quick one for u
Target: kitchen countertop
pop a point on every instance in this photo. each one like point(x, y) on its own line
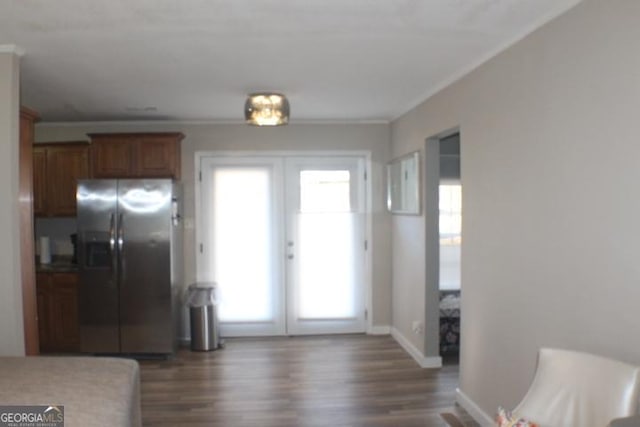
point(61, 265)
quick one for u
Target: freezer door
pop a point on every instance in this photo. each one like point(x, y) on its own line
point(98, 269)
point(144, 218)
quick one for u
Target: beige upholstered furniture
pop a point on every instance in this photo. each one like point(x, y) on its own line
point(95, 391)
point(633, 421)
point(572, 389)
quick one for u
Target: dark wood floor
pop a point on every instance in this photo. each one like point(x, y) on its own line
point(345, 380)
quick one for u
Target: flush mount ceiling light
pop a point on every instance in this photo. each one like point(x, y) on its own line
point(266, 109)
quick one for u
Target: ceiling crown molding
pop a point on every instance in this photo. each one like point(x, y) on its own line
point(554, 13)
point(212, 122)
point(12, 48)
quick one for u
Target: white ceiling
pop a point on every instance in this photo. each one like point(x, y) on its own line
point(190, 60)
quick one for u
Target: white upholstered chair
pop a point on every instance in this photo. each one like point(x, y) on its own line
point(573, 389)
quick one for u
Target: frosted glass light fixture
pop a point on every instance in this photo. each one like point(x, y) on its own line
point(266, 109)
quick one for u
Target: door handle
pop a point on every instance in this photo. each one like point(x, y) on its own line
point(290, 245)
point(112, 241)
point(112, 236)
point(120, 233)
point(120, 246)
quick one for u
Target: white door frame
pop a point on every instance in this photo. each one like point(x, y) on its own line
point(368, 267)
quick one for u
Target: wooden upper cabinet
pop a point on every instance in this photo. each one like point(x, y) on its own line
point(136, 155)
point(65, 166)
point(110, 156)
point(158, 156)
point(39, 181)
point(57, 167)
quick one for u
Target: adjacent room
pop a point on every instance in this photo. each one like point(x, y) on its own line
point(359, 213)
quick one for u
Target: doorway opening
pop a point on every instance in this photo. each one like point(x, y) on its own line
point(450, 240)
point(283, 236)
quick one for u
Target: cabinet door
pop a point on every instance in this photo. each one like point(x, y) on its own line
point(43, 296)
point(111, 157)
point(57, 295)
point(65, 166)
point(157, 156)
point(64, 289)
point(39, 180)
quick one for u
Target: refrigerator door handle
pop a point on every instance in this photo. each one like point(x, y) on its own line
point(120, 235)
point(112, 240)
point(120, 242)
point(112, 235)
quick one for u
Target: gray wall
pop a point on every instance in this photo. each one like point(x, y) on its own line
point(202, 137)
point(11, 327)
point(550, 166)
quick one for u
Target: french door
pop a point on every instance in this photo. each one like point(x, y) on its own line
point(283, 238)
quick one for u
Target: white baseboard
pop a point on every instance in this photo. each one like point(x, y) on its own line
point(379, 330)
point(423, 361)
point(473, 409)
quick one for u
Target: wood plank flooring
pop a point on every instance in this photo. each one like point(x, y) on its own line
point(343, 380)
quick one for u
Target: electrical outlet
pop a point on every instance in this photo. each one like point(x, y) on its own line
point(417, 327)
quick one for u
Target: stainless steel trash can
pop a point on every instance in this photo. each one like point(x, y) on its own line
point(203, 316)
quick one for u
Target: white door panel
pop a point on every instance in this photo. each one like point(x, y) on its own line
point(325, 238)
point(242, 249)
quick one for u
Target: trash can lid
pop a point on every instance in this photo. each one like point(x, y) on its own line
point(203, 285)
point(201, 296)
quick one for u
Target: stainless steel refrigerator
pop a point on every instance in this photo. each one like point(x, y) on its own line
point(130, 261)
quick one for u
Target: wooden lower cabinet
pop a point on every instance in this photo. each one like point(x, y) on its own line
point(58, 312)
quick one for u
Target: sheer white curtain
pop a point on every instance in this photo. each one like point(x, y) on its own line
point(450, 235)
